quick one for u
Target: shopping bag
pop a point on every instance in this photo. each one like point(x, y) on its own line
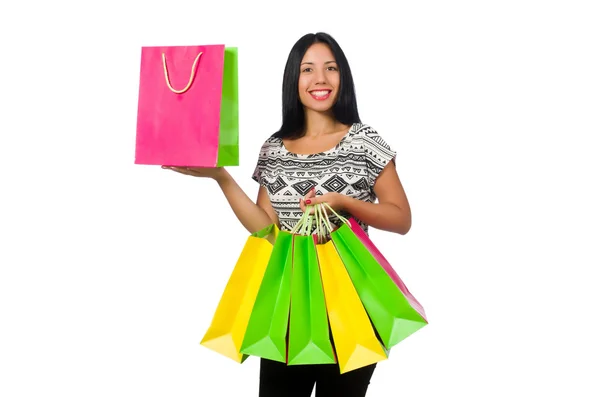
point(229, 323)
point(266, 334)
point(388, 307)
point(355, 341)
point(378, 256)
point(356, 344)
point(188, 106)
point(309, 337)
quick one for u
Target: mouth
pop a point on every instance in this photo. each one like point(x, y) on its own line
point(320, 95)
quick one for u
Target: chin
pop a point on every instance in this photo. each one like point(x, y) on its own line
point(319, 107)
point(323, 108)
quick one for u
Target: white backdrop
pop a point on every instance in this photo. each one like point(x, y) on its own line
point(110, 272)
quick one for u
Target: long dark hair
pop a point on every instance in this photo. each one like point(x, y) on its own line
point(345, 109)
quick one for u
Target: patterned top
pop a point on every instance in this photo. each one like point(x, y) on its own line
point(349, 168)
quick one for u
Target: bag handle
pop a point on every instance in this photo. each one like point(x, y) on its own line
point(323, 224)
point(191, 79)
point(341, 218)
point(304, 225)
point(320, 217)
point(301, 224)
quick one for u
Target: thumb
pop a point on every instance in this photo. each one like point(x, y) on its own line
point(312, 193)
point(315, 200)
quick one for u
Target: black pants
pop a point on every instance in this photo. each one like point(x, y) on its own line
point(280, 380)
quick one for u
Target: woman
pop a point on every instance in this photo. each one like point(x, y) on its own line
point(322, 153)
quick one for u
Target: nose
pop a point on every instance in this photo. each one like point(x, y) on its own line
point(320, 77)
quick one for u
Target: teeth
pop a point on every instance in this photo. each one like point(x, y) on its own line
point(320, 93)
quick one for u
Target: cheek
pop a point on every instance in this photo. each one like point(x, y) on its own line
point(335, 80)
point(303, 84)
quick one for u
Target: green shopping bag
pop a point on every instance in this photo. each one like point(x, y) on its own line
point(394, 314)
point(309, 338)
point(228, 154)
point(268, 324)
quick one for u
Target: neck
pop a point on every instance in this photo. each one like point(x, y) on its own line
point(317, 123)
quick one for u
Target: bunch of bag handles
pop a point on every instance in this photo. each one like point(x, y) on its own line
point(320, 218)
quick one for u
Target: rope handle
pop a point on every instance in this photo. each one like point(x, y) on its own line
point(305, 223)
point(323, 225)
point(324, 218)
point(336, 214)
point(320, 217)
point(192, 74)
point(300, 225)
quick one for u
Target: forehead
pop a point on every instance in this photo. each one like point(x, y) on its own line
point(318, 52)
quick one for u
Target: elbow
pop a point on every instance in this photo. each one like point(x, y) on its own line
point(403, 224)
point(403, 229)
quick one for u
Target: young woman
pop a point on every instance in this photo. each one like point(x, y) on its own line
point(321, 153)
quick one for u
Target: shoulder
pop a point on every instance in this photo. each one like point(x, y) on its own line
point(373, 148)
point(266, 156)
point(270, 146)
point(365, 134)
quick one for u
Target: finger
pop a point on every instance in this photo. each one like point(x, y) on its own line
point(318, 201)
point(314, 200)
point(303, 206)
point(312, 193)
point(181, 170)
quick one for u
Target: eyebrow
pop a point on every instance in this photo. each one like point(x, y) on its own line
point(312, 63)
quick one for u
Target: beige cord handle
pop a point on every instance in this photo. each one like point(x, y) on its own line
point(189, 84)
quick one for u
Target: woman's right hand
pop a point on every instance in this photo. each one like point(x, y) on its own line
point(310, 195)
point(201, 172)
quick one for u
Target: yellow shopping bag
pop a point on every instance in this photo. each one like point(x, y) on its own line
point(229, 323)
point(354, 338)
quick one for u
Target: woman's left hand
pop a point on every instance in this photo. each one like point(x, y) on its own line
point(335, 200)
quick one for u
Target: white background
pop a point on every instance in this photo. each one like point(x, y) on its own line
point(110, 272)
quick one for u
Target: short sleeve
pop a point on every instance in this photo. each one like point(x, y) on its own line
point(263, 157)
point(378, 153)
point(257, 174)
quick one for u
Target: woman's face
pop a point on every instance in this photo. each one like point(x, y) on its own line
point(319, 79)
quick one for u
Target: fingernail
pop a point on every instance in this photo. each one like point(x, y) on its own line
point(307, 201)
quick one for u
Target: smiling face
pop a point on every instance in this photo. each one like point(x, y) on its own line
point(319, 81)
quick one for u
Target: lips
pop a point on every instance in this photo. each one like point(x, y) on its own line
point(320, 95)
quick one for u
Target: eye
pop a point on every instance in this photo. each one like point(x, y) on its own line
point(332, 68)
point(306, 70)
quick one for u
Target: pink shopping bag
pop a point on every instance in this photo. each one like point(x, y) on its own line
point(188, 106)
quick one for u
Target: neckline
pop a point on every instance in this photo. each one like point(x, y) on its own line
point(284, 150)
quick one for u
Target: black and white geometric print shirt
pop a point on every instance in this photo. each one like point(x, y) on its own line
point(349, 168)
